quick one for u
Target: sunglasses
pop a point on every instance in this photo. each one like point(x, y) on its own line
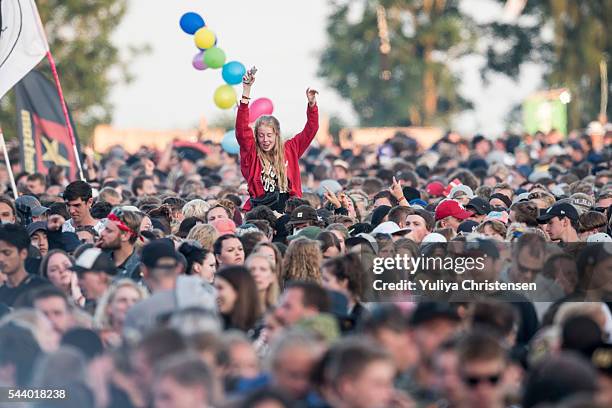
point(473, 381)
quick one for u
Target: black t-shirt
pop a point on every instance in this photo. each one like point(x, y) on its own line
point(9, 295)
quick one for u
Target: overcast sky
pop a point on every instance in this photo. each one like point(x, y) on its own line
point(284, 40)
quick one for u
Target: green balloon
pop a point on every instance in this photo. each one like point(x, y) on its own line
point(214, 57)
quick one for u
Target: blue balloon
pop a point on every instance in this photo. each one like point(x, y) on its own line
point(191, 22)
point(233, 72)
point(229, 142)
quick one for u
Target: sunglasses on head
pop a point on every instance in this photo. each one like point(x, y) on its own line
point(473, 381)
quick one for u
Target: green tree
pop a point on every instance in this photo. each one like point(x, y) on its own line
point(88, 62)
point(569, 39)
point(408, 80)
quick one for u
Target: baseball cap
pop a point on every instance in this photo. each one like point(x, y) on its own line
point(582, 202)
point(434, 237)
point(429, 311)
point(501, 216)
point(341, 163)
point(462, 188)
point(360, 227)
point(94, 259)
point(411, 193)
point(448, 208)
point(479, 206)
point(559, 210)
point(309, 232)
point(379, 213)
point(36, 226)
point(388, 227)
point(363, 238)
point(599, 237)
point(39, 210)
point(303, 213)
point(28, 201)
point(435, 189)
point(224, 226)
point(467, 226)
point(418, 203)
point(521, 197)
point(156, 250)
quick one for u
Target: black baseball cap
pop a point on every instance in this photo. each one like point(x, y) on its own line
point(467, 226)
point(94, 260)
point(411, 193)
point(360, 227)
point(303, 213)
point(36, 226)
point(479, 206)
point(156, 250)
point(559, 210)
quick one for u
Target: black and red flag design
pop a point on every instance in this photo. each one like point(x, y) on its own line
point(43, 134)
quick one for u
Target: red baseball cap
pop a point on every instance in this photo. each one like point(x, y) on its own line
point(435, 189)
point(452, 208)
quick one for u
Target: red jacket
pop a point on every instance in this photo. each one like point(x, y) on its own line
point(250, 166)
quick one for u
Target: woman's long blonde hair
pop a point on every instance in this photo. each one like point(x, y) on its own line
point(302, 261)
point(273, 291)
point(276, 157)
point(102, 319)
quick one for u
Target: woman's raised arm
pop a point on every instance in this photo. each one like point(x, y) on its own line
point(303, 139)
point(244, 133)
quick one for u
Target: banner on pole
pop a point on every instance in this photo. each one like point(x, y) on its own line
point(22, 41)
point(42, 129)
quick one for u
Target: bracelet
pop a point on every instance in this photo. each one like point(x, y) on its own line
point(246, 97)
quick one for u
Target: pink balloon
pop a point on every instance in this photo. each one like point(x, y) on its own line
point(198, 61)
point(260, 107)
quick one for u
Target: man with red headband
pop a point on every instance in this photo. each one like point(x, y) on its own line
point(119, 237)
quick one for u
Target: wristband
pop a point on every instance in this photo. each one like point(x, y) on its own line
point(246, 97)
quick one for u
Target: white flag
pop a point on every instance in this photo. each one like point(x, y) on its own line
point(22, 42)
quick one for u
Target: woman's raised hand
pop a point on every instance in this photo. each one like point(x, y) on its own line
point(249, 77)
point(311, 94)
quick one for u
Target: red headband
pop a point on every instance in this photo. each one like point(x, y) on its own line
point(121, 225)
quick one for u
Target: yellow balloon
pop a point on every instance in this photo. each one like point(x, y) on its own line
point(204, 38)
point(225, 97)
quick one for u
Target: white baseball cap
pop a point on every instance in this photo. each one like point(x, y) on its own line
point(434, 237)
point(599, 237)
point(388, 227)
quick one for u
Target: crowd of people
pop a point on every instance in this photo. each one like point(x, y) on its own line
point(196, 278)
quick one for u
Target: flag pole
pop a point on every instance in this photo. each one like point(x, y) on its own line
point(58, 85)
point(8, 164)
